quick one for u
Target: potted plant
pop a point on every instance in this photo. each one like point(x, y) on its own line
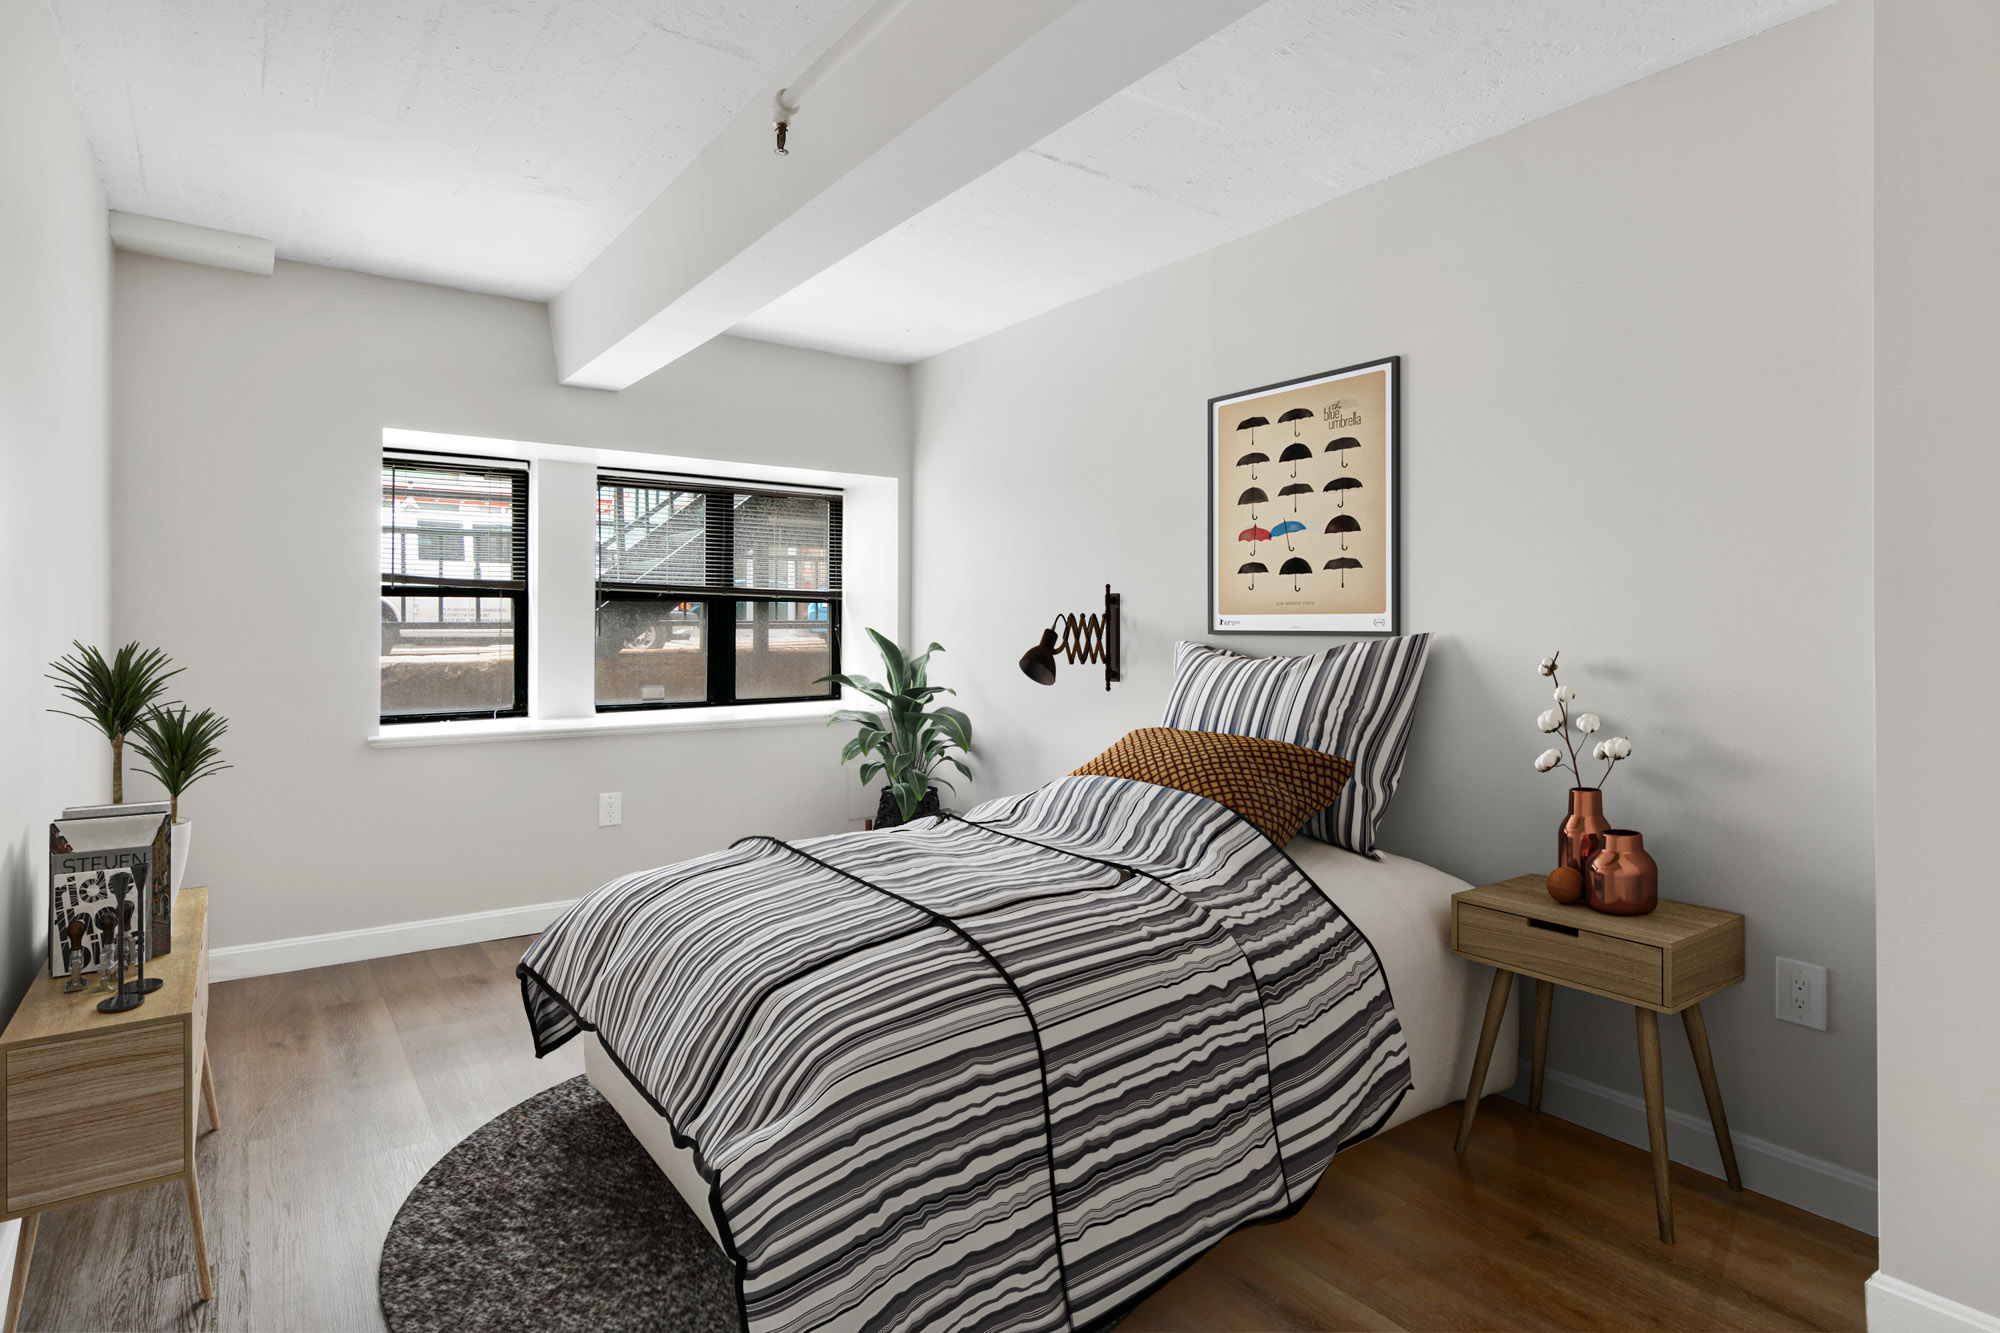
point(1581, 835)
point(114, 695)
point(909, 740)
point(180, 751)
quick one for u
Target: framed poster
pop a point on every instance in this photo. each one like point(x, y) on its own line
point(1302, 505)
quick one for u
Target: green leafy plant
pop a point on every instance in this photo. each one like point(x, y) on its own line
point(114, 695)
point(180, 750)
point(908, 741)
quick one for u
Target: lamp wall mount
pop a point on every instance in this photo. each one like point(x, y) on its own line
point(1084, 638)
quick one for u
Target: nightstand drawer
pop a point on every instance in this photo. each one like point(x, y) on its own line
point(1558, 952)
point(92, 1114)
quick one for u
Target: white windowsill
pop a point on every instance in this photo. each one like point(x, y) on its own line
point(603, 724)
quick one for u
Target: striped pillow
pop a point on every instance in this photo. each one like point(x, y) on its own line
point(1355, 701)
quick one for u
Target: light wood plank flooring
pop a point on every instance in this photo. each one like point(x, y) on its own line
point(340, 1087)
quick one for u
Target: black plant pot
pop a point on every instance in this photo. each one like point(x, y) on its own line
point(887, 815)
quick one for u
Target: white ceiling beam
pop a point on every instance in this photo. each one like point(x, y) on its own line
point(194, 245)
point(943, 92)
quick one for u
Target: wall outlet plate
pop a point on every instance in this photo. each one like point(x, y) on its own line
point(610, 808)
point(1802, 993)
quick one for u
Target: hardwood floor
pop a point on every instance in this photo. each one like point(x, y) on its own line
point(340, 1087)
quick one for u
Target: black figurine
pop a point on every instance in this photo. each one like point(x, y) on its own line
point(127, 997)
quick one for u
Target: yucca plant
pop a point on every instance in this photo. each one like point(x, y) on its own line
point(909, 740)
point(180, 750)
point(114, 695)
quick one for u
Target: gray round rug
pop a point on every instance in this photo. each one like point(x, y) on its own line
point(552, 1216)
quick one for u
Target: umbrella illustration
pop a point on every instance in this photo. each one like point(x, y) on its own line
point(1343, 564)
point(1252, 497)
point(1253, 569)
point(1285, 530)
point(1295, 416)
point(1296, 567)
point(1343, 484)
point(1295, 490)
point(1251, 460)
point(1250, 424)
point(1293, 453)
point(1254, 534)
point(1341, 446)
point(1344, 524)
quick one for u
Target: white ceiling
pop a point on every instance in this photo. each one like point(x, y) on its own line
point(1294, 105)
point(499, 145)
point(491, 144)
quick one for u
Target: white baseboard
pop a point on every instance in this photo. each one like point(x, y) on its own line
point(1822, 1187)
point(1896, 1306)
point(351, 946)
point(10, 1238)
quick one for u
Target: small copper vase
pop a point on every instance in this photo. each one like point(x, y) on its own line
point(1624, 880)
point(1582, 832)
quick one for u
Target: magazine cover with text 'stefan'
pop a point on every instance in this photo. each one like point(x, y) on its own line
point(83, 853)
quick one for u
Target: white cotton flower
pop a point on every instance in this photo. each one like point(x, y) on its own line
point(1547, 760)
point(1550, 721)
point(1601, 752)
point(1618, 748)
point(1587, 723)
point(1565, 695)
point(1548, 666)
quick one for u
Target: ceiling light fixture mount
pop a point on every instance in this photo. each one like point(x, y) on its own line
point(1084, 638)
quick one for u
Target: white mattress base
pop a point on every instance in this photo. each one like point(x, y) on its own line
point(1402, 906)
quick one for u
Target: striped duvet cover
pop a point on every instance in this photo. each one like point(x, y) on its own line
point(1009, 1071)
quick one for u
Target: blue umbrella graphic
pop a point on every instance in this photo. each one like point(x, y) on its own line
point(1285, 530)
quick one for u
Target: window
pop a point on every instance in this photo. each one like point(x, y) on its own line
point(712, 592)
point(454, 588)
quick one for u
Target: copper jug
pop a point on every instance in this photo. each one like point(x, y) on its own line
point(1623, 879)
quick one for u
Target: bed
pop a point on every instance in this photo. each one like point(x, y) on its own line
point(1266, 1009)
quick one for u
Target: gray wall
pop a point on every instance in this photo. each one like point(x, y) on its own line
point(1636, 338)
point(1937, 474)
point(238, 395)
point(55, 311)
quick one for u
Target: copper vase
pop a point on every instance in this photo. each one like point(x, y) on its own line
point(1582, 832)
point(1623, 879)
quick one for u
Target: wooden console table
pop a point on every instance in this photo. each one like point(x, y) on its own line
point(94, 1104)
point(1665, 962)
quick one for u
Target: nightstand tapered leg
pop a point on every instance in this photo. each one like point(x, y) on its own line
point(1704, 1064)
point(1545, 994)
point(1496, 1008)
point(18, 1288)
point(1656, 1117)
point(200, 1238)
point(208, 1092)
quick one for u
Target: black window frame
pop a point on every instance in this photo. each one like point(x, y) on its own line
point(719, 594)
point(514, 589)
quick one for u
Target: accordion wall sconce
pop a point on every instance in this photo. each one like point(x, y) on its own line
point(1083, 639)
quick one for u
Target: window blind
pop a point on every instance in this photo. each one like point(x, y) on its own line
point(674, 535)
point(452, 522)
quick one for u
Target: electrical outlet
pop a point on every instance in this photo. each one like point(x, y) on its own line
point(1802, 993)
point(610, 808)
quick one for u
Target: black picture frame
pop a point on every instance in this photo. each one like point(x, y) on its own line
point(1374, 621)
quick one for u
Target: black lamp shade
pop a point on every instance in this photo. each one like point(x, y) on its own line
point(1039, 663)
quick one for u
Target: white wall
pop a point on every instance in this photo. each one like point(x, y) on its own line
point(1937, 473)
point(244, 395)
point(55, 293)
point(1636, 339)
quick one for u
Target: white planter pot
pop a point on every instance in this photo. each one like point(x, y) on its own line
point(178, 854)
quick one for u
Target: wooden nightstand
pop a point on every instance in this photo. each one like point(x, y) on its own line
point(1666, 962)
point(94, 1104)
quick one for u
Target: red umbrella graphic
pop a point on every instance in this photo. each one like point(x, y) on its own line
point(1344, 524)
point(1253, 535)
